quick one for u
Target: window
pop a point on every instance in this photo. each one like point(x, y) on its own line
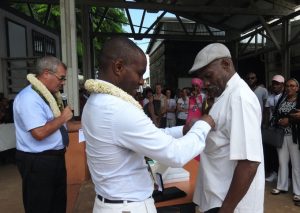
point(42, 44)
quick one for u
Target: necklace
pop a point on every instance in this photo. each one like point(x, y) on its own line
point(55, 103)
point(99, 86)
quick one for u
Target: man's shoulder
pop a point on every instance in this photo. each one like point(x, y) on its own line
point(243, 91)
point(26, 93)
point(261, 89)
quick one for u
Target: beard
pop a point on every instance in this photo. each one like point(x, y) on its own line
point(215, 91)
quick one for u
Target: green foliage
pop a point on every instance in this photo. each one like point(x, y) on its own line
point(113, 21)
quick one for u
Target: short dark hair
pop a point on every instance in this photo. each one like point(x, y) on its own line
point(118, 47)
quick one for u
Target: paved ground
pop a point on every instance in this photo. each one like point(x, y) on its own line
point(11, 198)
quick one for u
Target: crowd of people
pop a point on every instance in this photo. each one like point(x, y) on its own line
point(219, 116)
point(280, 106)
point(167, 109)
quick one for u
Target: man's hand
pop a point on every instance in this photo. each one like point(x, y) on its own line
point(67, 114)
point(295, 114)
point(207, 118)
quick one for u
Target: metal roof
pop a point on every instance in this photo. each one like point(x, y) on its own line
point(234, 15)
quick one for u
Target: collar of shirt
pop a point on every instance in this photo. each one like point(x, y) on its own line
point(230, 85)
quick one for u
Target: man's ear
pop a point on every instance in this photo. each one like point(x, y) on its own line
point(118, 66)
point(225, 63)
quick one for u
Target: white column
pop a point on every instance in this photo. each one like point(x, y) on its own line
point(69, 51)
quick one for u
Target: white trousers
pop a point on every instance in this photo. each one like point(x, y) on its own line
point(146, 206)
point(289, 151)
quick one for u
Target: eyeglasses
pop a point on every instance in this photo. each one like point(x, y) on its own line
point(251, 78)
point(60, 78)
point(290, 85)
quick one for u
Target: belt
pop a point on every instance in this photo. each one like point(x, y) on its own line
point(112, 201)
point(60, 152)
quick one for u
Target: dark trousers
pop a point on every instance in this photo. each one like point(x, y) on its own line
point(271, 159)
point(180, 122)
point(214, 210)
point(163, 122)
point(44, 182)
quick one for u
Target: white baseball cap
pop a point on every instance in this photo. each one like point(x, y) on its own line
point(278, 78)
point(208, 54)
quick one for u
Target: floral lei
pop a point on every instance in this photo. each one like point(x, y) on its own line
point(98, 86)
point(55, 103)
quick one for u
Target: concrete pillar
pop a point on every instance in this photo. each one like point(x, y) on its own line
point(285, 50)
point(86, 40)
point(69, 51)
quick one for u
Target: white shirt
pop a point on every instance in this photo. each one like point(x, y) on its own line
point(237, 136)
point(119, 135)
point(271, 102)
point(171, 105)
point(184, 104)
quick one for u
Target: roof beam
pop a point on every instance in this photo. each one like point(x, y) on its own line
point(47, 16)
point(188, 8)
point(270, 32)
point(204, 9)
point(182, 25)
point(154, 23)
point(282, 3)
point(201, 20)
point(139, 36)
point(142, 21)
point(129, 19)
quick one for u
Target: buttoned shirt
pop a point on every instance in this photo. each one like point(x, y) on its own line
point(119, 135)
point(271, 102)
point(237, 136)
point(30, 112)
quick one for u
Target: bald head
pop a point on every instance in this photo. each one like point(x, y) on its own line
point(120, 48)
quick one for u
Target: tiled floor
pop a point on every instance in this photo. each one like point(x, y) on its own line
point(81, 197)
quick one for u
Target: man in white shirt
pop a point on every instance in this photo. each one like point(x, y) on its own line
point(118, 133)
point(231, 170)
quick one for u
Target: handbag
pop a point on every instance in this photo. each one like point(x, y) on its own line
point(273, 136)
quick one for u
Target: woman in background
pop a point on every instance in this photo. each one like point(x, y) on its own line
point(290, 147)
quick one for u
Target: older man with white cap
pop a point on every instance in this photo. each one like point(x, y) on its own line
point(231, 170)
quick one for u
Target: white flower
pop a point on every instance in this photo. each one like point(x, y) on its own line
point(98, 86)
point(42, 89)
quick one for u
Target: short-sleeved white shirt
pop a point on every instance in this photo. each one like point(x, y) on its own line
point(31, 111)
point(271, 102)
point(119, 135)
point(237, 136)
point(184, 104)
point(171, 104)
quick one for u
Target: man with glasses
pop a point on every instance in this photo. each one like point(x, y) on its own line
point(41, 138)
